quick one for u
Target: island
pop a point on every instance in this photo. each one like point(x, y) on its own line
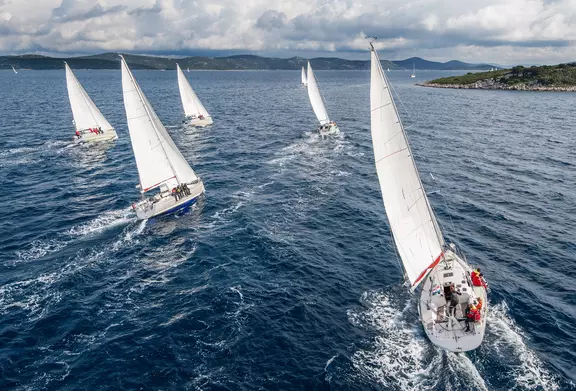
point(560, 77)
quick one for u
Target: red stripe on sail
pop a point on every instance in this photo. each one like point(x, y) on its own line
point(432, 266)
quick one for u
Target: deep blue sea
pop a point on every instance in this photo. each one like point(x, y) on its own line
point(284, 277)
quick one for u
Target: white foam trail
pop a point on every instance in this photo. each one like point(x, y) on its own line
point(103, 222)
point(465, 370)
point(530, 372)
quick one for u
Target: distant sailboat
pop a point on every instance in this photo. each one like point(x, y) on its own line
point(388, 70)
point(326, 126)
point(304, 78)
point(426, 258)
point(91, 126)
point(187, 69)
point(14, 69)
point(160, 164)
point(195, 112)
point(413, 74)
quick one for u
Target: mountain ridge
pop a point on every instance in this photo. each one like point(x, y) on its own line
point(110, 60)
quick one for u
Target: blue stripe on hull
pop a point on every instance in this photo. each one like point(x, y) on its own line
point(178, 207)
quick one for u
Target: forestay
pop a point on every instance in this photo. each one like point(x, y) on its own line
point(157, 157)
point(86, 114)
point(303, 76)
point(316, 98)
point(190, 101)
point(414, 227)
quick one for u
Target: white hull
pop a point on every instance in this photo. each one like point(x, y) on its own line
point(165, 203)
point(326, 130)
point(446, 331)
point(199, 122)
point(108, 135)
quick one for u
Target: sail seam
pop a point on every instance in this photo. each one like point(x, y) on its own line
point(393, 153)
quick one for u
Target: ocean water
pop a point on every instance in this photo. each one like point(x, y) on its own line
point(284, 277)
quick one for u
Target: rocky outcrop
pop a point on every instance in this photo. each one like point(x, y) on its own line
point(491, 84)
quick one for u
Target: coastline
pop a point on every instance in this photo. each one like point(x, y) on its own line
point(491, 85)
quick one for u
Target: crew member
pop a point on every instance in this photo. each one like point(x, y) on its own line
point(478, 278)
point(175, 194)
point(472, 315)
point(453, 300)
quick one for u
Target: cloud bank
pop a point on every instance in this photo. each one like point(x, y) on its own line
point(498, 31)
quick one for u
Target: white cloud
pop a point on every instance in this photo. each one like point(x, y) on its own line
point(503, 31)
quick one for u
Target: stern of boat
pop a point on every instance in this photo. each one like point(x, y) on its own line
point(200, 123)
point(166, 203)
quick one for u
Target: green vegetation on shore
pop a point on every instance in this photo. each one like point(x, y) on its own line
point(563, 75)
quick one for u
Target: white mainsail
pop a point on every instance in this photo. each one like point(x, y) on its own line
point(316, 98)
point(190, 101)
point(157, 157)
point(413, 224)
point(303, 76)
point(14, 69)
point(86, 114)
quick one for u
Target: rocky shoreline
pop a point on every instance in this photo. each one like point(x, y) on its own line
point(491, 84)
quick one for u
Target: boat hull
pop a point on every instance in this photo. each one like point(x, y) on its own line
point(328, 130)
point(200, 123)
point(445, 330)
point(166, 204)
point(108, 135)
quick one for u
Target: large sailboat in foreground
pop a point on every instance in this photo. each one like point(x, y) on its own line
point(326, 126)
point(303, 77)
point(160, 164)
point(431, 265)
point(91, 126)
point(195, 111)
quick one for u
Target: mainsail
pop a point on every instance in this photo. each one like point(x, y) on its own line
point(157, 157)
point(303, 76)
point(190, 101)
point(316, 98)
point(86, 114)
point(413, 224)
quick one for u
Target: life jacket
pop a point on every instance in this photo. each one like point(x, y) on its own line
point(472, 313)
point(476, 280)
point(479, 305)
point(477, 316)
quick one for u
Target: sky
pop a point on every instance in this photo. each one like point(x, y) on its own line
point(503, 32)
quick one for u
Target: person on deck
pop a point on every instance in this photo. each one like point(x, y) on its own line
point(452, 298)
point(100, 130)
point(175, 193)
point(200, 116)
point(472, 316)
point(478, 278)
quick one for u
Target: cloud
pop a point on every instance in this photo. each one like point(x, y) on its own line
point(484, 30)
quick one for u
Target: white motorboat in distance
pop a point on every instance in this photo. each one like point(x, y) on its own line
point(161, 166)
point(91, 126)
point(430, 264)
point(327, 127)
point(196, 113)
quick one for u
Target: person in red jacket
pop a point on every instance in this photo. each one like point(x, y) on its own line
point(478, 278)
point(472, 315)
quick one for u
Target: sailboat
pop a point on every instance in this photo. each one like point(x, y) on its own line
point(14, 69)
point(160, 164)
point(413, 74)
point(326, 126)
point(304, 78)
point(188, 70)
point(195, 111)
point(90, 124)
point(430, 264)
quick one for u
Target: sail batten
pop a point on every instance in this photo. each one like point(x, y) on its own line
point(316, 98)
point(414, 227)
point(193, 107)
point(86, 114)
point(157, 158)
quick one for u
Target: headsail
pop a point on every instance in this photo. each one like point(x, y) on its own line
point(190, 101)
point(316, 98)
point(303, 76)
point(157, 157)
point(413, 224)
point(86, 114)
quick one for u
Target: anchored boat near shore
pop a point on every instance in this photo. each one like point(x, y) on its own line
point(434, 267)
point(91, 126)
point(161, 166)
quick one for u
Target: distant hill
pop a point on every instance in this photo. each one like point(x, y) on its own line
point(237, 62)
point(560, 77)
point(440, 66)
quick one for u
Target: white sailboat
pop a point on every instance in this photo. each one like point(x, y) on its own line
point(413, 74)
point(90, 124)
point(195, 112)
point(160, 164)
point(14, 69)
point(430, 264)
point(303, 77)
point(187, 69)
point(326, 126)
